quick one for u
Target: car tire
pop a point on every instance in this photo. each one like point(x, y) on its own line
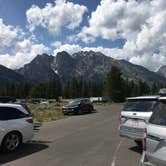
point(79, 112)
point(11, 142)
point(65, 113)
point(139, 143)
point(91, 110)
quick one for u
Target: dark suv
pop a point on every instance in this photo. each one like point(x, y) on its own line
point(78, 106)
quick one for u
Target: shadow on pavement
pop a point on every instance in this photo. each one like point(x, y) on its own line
point(88, 113)
point(25, 150)
point(136, 149)
point(84, 113)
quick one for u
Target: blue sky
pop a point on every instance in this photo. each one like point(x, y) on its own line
point(16, 16)
point(118, 28)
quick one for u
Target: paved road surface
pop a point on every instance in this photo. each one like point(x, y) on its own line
point(85, 140)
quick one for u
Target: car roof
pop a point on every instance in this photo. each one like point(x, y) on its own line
point(162, 98)
point(144, 98)
point(19, 106)
point(10, 104)
point(81, 99)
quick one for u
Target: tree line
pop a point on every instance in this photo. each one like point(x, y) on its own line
point(53, 89)
point(117, 88)
point(114, 88)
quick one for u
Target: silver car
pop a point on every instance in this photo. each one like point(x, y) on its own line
point(154, 143)
point(135, 114)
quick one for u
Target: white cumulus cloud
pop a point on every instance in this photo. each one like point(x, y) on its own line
point(25, 51)
point(7, 34)
point(141, 23)
point(55, 16)
point(73, 48)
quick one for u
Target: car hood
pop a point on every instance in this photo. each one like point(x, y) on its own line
point(70, 106)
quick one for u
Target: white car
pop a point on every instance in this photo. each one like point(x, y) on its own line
point(16, 126)
point(135, 115)
point(154, 142)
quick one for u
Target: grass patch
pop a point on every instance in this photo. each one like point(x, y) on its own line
point(47, 112)
point(53, 110)
point(108, 104)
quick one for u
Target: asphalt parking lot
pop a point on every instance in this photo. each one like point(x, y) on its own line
point(84, 140)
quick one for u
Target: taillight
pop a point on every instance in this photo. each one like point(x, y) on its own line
point(29, 120)
point(120, 119)
point(144, 143)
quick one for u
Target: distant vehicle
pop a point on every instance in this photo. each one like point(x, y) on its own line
point(98, 99)
point(16, 126)
point(154, 143)
point(135, 115)
point(36, 101)
point(78, 106)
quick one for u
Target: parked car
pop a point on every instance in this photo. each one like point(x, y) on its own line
point(78, 106)
point(154, 143)
point(135, 115)
point(16, 126)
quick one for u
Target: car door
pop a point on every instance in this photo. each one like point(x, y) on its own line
point(3, 124)
point(156, 136)
point(83, 105)
point(16, 120)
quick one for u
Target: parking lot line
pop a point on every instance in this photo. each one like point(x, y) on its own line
point(116, 152)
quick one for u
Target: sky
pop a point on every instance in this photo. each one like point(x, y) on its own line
point(134, 30)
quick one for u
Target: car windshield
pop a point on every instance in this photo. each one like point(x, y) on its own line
point(75, 102)
point(139, 105)
point(159, 115)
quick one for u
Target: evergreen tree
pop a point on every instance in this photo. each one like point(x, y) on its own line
point(115, 85)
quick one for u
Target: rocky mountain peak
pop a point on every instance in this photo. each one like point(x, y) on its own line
point(88, 65)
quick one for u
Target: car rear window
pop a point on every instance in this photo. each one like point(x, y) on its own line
point(140, 105)
point(159, 115)
point(27, 109)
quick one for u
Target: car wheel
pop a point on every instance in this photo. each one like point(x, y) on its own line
point(91, 109)
point(79, 112)
point(11, 142)
point(65, 113)
point(139, 143)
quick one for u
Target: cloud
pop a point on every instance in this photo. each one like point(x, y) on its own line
point(70, 48)
point(7, 34)
point(73, 48)
point(141, 23)
point(152, 62)
point(56, 44)
point(117, 19)
point(55, 16)
point(24, 52)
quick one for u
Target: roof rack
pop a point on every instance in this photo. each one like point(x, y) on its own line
point(7, 99)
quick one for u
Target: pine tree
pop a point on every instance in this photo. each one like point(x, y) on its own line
point(115, 85)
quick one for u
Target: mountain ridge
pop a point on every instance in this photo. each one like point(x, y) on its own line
point(10, 76)
point(90, 66)
point(86, 65)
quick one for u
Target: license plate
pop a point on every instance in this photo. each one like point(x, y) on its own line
point(135, 122)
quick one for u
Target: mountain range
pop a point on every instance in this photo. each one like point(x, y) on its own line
point(88, 65)
point(8, 75)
